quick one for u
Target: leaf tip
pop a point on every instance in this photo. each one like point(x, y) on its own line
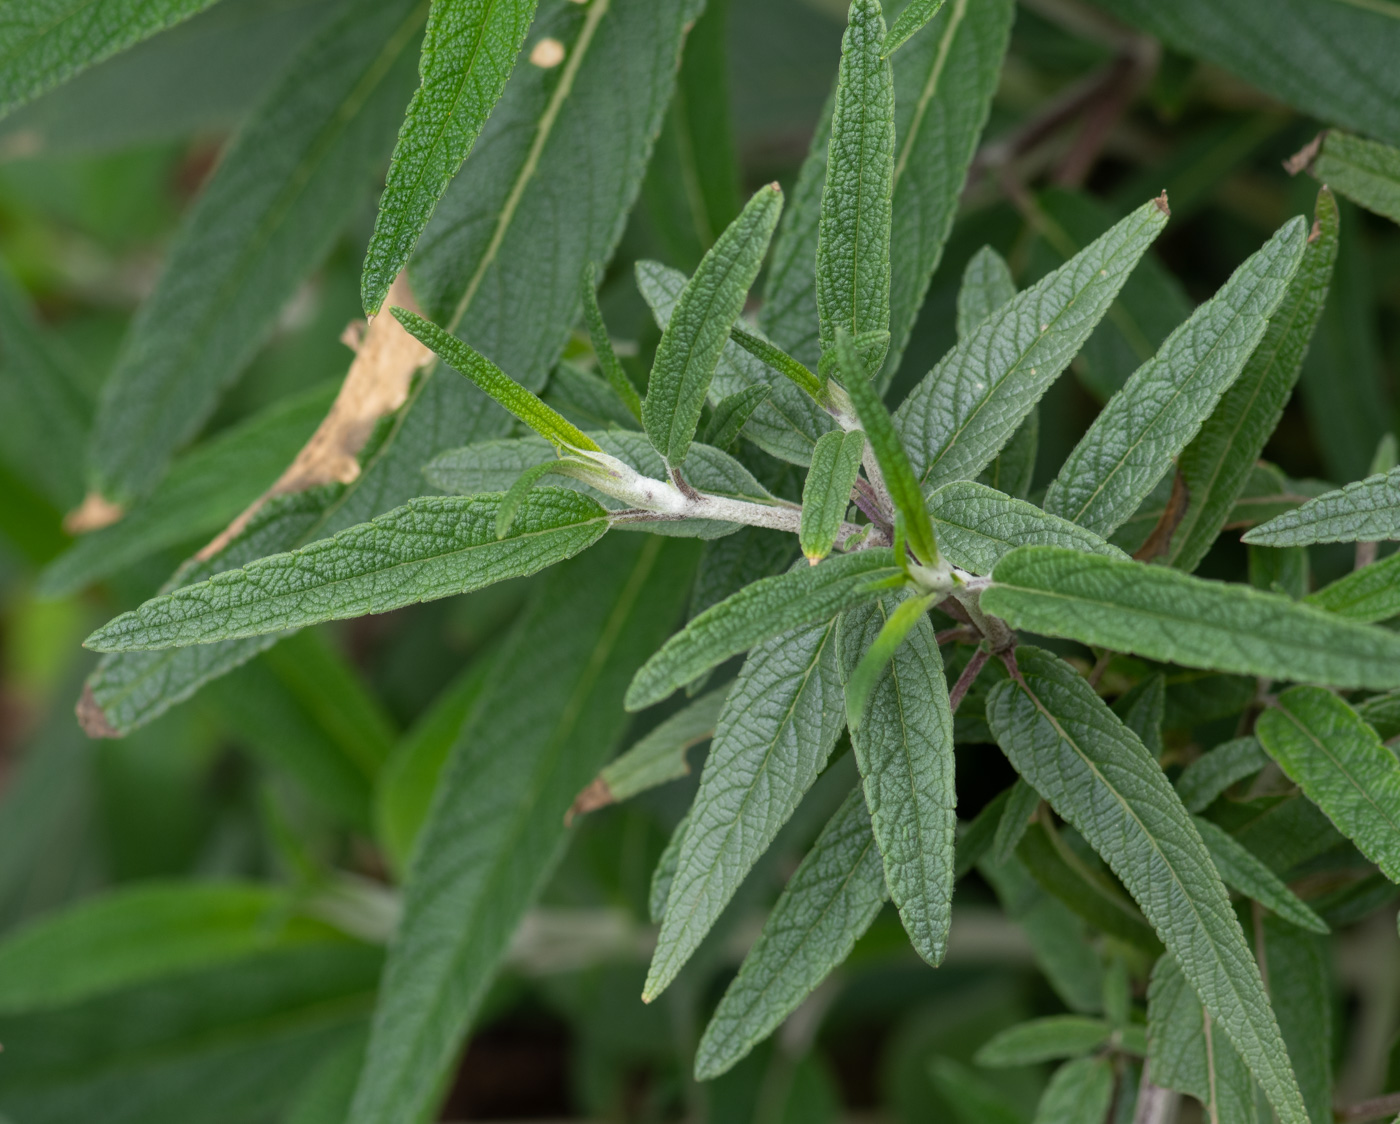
point(92, 718)
point(1162, 204)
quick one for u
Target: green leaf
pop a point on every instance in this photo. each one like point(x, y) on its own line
point(45, 42)
point(829, 901)
point(1299, 967)
point(602, 343)
point(1365, 511)
point(143, 933)
point(779, 723)
point(613, 88)
point(826, 495)
point(1013, 469)
point(433, 547)
point(977, 525)
point(281, 196)
point(1369, 594)
point(974, 1100)
point(1015, 818)
point(1143, 710)
point(1364, 171)
point(665, 872)
point(324, 1096)
point(986, 287)
point(585, 398)
point(1241, 871)
point(1187, 1051)
point(1382, 712)
point(1145, 425)
point(757, 612)
point(779, 360)
point(45, 413)
point(698, 328)
point(469, 48)
point(1081, 1092)
point(909, 23)
point(853, 241)
point(1043, 1040)
point(496, 828)
point(962, 413)
point(495, 383)
point(732, 414)
point(204, 490)
point(1202, 781)
point(1166, 615)
point(904, 749)
point(1216, 465)
point(1341, 765)
point(1096, 774)
point(517, 493)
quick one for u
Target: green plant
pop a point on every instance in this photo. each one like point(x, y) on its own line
point(918, 590)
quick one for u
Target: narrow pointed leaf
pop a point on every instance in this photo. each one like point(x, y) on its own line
point(665, 872)
point(1365, 171)
point(1015, 818)
point(280, 197)
point(1216, 466)
point(469, 48)
point(1166, 615)
point(779, 723)
point(433, 547)
point(602, 344)
point(496, 829)
point(779, 360)
point(1299, 967)
point(904, 749)
point(757, 612)
point(1080, 1092)
point(986, 287)
point(1369, 594)
point(1242, 871)
point(830, 900)
point(909, 23)
point(977, 525)
point(869, 646)
point(1134, 439)
point(827, 492)
point(1043, 1040)
point(732, 414)
point(1382, 713)
point(1212, 773)
point(962, 413)
point(517, 493)
point(699, 326)
point(1143, 710)
point(1341, 765)
point(1098, 775)
point(1366, 511)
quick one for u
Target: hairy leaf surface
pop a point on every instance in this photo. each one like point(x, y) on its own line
point(1364, 511)
point(827, 492)
point(1212, 773)
point(1241, 870)
point(1371, 593)
point(1364, 171)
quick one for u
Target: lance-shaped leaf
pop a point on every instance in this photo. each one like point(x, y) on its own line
point(904, 748)
point(1365, 171)
point(524, 404)
point(958, 418)
point(1342, 766)
point(280, 197)
point(602, 343)
point(496, 829)
point(468, 51)
point(780, 720)
point(665, 872)
point(1241, 870)
point(779, 360)
point(699, 326)
point(1187, 1051)
point(853, 241)
point(1371, 593)
point(827, 493)
point(757, 612)
point(1299, 969)
point(889, 451)
point(1365, 511)
point(1021, 805)
point(829, 901)
point(45, 42)
point(909, 23)
point(986, 287)
point(1044, 1040)
point(1212, 773)
point(1216, 466)
point(1382, 713)
point(1080, 1092)
point(1145, 425)
point(1166, 615)
point(433, 547)
point(657, 758)
point(977, 525)
point(1096, 774)
point(731, 414)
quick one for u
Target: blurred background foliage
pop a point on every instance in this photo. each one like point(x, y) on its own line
point(278, 774)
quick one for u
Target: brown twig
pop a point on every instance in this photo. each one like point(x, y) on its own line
point(968, 677)
point(1374, 1109)
point(1159, 541)
point(1126, 76)
point(960, 634)
point(1366, 554)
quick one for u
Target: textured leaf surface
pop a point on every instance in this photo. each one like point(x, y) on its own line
point(1364, 171)
point(697, 330)
point(986, 287)
point(958, 418)
point(828, 903)
point(430, 548)
point(732, 414)
point(468, 51)
point(1166, 615)
point(496, 828)
point(909, 23)
point(1382, 713)
point(758, 612)
point(1241, 870)
point(1216, 465)
point(1080, 1092)
point(904, 747)
point(280, 197)
point(1145, 425)
point(1341, 766)
point(1371, 593)
point(660, 756)
point(1212, 773)
point(665, 872)
point(1098, 775)
point(45, 42)
point(1299, 967)
point(977, 525)
point(1365, 511)
point(1043, 1040)
point(1021, 805)
point(827, 492)
point(780, 720)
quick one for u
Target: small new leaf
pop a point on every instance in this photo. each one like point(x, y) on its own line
point(732, 413)
point(908, 24)
point(775, 357)
point(827, 492)
point(602, 343)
